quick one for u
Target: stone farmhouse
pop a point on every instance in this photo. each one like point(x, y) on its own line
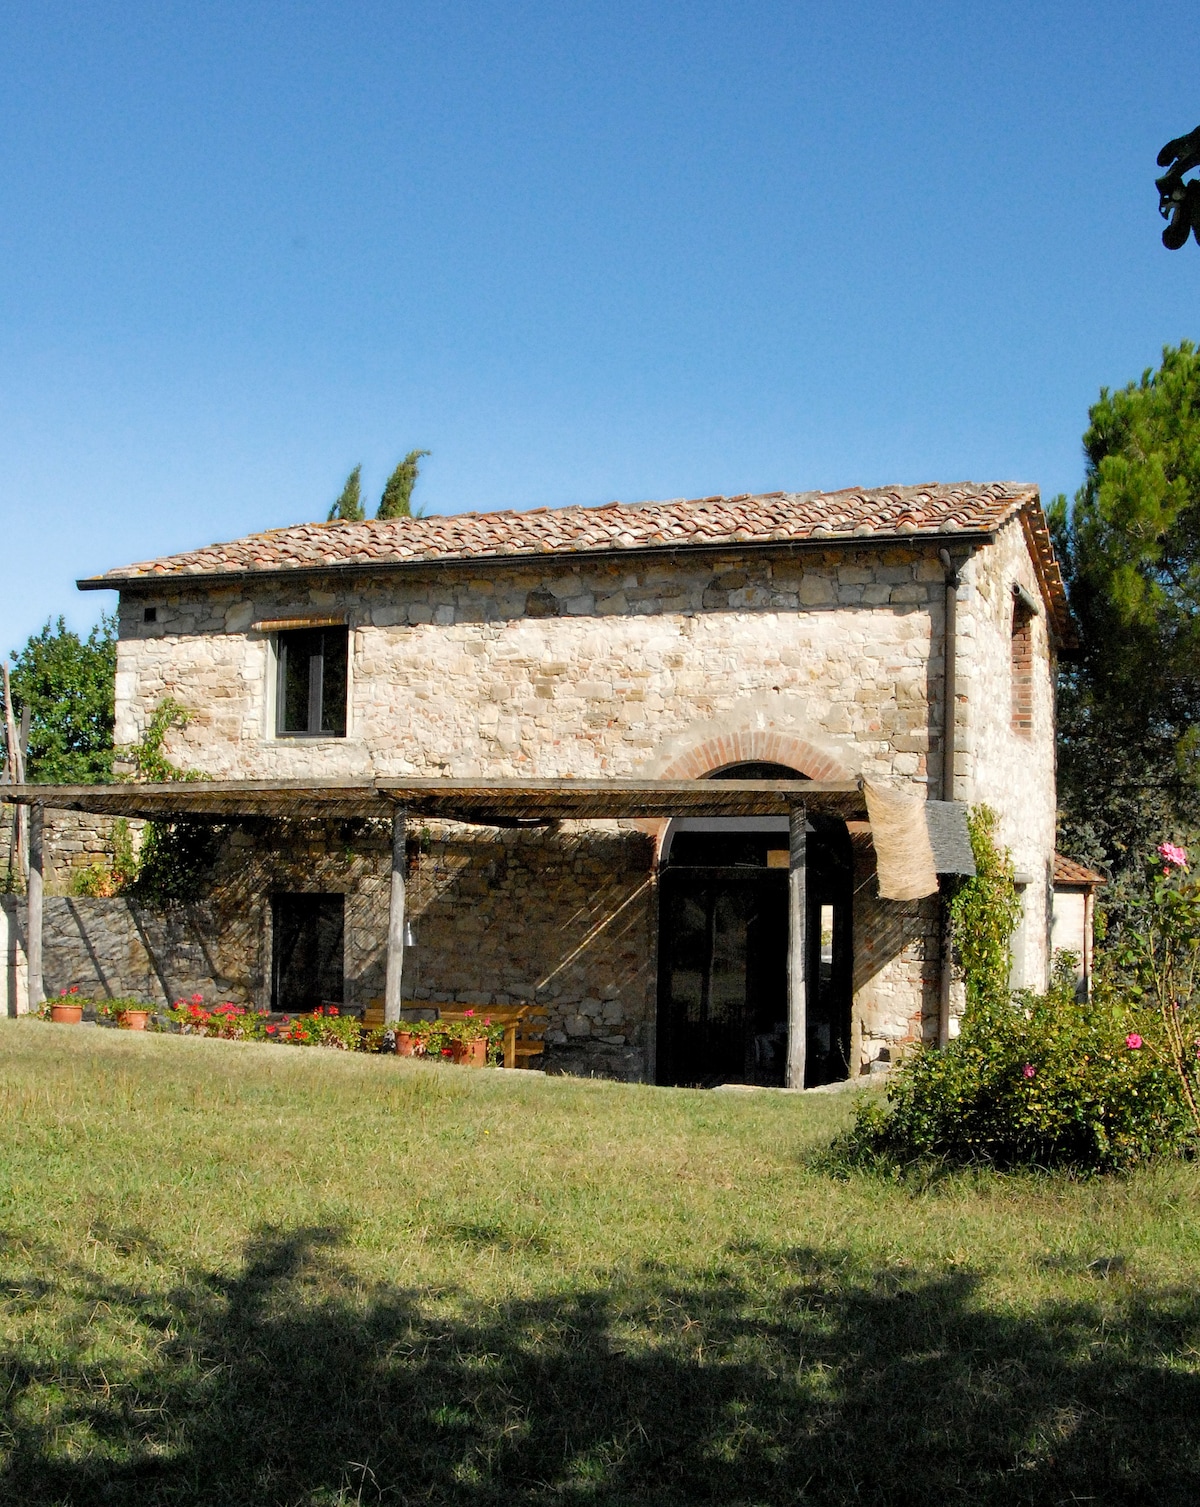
point(626, 749)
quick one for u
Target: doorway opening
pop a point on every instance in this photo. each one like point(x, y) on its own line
point(307, 944)
point(723, 948)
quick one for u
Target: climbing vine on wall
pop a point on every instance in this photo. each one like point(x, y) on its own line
point(984, 914)
point(176, 857)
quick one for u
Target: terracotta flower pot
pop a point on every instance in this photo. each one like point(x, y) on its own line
point(470, 1053)
point(134, 1020)
point(408, 1044)
point(66, 1015)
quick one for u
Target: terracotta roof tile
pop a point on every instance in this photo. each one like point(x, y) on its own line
point(1067, 871)
point(771, 517)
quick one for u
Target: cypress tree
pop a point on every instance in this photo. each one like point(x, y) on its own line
point(348, 508)
point(396, 501)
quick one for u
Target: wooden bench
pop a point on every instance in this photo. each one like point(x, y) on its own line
point(523, 1025)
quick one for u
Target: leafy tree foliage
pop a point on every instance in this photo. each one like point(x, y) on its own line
point(348, 508)
point(396, 501)
point(67, 682)
point(1129, 703)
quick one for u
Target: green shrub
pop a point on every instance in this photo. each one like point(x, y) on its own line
point(1043, 1080)
point(1039, 1080)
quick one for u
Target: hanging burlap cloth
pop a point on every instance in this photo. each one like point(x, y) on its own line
point(901, 837)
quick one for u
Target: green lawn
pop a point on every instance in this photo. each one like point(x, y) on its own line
point(251, 1274)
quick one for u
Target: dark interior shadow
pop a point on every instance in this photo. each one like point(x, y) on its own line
point(787, 1376)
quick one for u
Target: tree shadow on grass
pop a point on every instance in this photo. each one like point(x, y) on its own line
point(787, 1376)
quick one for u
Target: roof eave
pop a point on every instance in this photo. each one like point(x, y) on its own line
point(167, 580)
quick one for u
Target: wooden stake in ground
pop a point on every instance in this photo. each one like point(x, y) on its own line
point(393, 1001)
point(797, 983)
point(14, 774)
point(33, 942)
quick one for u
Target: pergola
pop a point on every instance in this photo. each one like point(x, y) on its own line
point(493, 803)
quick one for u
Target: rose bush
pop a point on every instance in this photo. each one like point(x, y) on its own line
point(1049, 1080)
point(1040, 1080)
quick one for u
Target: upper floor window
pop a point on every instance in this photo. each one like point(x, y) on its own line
point(311, 696)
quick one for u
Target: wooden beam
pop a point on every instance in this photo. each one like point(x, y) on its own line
point(393, 1002)
point(797, 915)
point(485, 802)
point(33, 942)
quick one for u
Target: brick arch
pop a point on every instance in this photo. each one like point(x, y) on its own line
point(755, 746)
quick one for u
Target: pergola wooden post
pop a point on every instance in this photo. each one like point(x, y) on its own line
point(393, 1002)
point(797, 998)
point(33, 942)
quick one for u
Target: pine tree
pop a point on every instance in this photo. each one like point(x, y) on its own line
point(348, 508)
point(396, 501)
point(1129, 701)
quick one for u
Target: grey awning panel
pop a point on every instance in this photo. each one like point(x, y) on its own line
point(949, 837)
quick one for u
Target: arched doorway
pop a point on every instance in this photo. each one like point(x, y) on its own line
point(723, 944)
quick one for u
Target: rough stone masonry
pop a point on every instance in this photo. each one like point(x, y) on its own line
point(828, 660)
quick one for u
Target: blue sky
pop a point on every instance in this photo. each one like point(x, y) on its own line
point(579, 251)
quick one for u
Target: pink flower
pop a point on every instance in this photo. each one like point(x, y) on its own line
point(1172, 854)
point(1028, 1070)
point(62, 994)
point(197, 999)
point(468, 1012)
point(1133, 1041)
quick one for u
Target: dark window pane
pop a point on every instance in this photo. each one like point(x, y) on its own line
point(312, 682)
point(296, 651)
point(333, 701)
point(308, 934)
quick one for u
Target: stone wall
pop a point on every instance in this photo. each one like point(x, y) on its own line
point(897, 964)
point(562, 917)
point(1012, 771)
point(72, 842)
point(552, 670)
